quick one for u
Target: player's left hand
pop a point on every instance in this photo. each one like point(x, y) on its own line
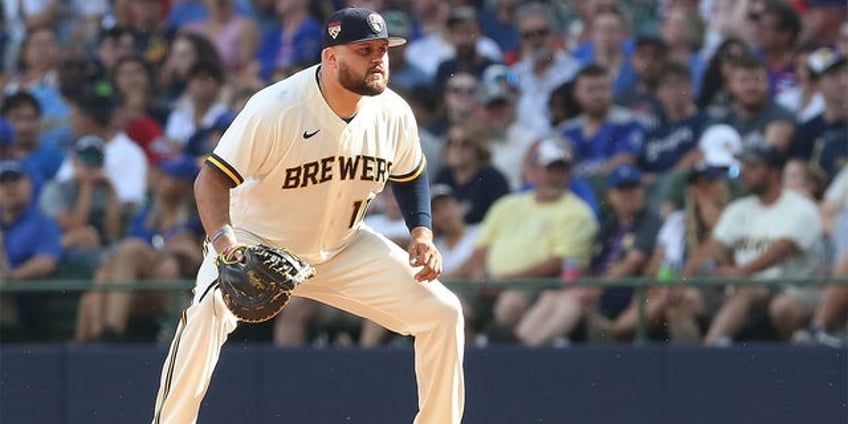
point(422, 252)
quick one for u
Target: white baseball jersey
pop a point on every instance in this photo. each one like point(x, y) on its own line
point(748, 228)
point(304, 177)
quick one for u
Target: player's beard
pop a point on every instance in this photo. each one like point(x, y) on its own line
point(360, 84)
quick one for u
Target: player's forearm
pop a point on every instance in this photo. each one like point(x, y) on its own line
point(212, 194)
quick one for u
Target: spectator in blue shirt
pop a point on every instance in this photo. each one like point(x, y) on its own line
point(31, 246)
point(604, 136)
point(294, 42)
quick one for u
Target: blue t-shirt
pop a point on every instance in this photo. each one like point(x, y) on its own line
point(304, 49)
point(621, 133)
point(31, 235)
point(666, 144)
point(139, 228)
point(834, 152)
point(478, 195)
point(809, 135)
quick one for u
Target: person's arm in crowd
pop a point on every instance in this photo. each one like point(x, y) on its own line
point(779, 251)
point(628, 266)
point(112, 228)
point(616, 160)
point(477, 263)
point(779, 133)
point(711, 250)
point(37, 267)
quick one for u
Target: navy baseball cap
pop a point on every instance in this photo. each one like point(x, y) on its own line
point(354, 25)
point(762, 153)
point(624, 176)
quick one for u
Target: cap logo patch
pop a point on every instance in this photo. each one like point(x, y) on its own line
point(334, 28)
point(376, 23)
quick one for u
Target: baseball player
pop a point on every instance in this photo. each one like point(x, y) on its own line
point(297, 168)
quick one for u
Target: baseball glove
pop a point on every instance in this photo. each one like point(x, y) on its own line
point(257, 287)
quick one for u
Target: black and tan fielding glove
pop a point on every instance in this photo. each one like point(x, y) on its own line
point(257, 286)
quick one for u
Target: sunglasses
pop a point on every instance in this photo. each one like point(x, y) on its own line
point(536, 33)
point(460, 89)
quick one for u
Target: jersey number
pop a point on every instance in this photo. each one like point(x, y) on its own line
point(359, 209)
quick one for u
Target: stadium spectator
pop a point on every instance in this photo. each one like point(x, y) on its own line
point(754, 239)
point(842, 43)
point(142, 114)
point(125, 164)
point(292, 43)
point(805, 99)
point(114, 44)
point(604, 135)
point(463, 33)
point(152, 33)
point(831, 154)
point(405, 74)
point(714, 96)
point(31, 249)
point(757, 118)
point(529, 234)
point(640, 97)
point(202, 105)
point(458, 102)
point(161, 244)
point(829, 71)
point(85, 207)
point(185, 50)
point(467, 170)
point(830, 319)
point(236, 38)
point(27, 143)
point(776, 31)
point(623, 244)
point(683, 32)
point(543, 66)
point(611, 47)
point(498, 22)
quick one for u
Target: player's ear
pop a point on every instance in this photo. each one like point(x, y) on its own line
point(328, 56)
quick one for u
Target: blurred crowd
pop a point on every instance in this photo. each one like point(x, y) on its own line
point(565, 139)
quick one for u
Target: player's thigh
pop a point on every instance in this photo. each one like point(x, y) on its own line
point(372, 278)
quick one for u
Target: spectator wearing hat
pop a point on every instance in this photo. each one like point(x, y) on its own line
point(604, 135)
point(543, 66)
point(829, 71)
point(161, 244)
point(529, 234)
point(771, 233)
point(753, 113)
point(405, 74)
point(821, 22)
point(622, 247)
point(467, 170)
point(144, 117)
point(86, 206)
point(31, 248)
point(124, 161)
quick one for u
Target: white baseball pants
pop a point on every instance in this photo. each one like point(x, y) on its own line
point(371, 278)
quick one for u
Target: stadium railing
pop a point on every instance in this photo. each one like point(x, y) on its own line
point(178, 303)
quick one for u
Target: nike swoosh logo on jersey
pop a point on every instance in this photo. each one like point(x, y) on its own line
point(308, 135)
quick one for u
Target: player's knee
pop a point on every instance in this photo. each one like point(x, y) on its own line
point(450, 310)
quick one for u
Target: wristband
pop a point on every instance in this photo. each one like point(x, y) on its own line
point(223, 231)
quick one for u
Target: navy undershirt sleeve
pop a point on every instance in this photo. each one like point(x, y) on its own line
point(413, 198)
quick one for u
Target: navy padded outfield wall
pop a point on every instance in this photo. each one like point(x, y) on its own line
point(755, 384)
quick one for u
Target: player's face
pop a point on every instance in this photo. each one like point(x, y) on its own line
point(364, 67)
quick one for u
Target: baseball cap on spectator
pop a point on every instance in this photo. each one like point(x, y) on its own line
point(398, 24)
point(552, 151)
point(490, 92)
point(823, 60)
point(439, 192)
point(356, 24)
point(11, 170)
point(624, 176)
point(500, 74)
point(719, 143)
point(89, 150)
point(762, 153)
point(182, 167)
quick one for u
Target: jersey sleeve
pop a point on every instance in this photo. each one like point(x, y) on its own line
point(409, 161)
point(245, 146)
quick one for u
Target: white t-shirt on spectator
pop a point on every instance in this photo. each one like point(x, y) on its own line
point(124, 164)
point(672, 237)
point(508, 153)
point(453, 258)
point(180, 125)
point(837, 192)
point(427, 52)
point(532, 106)
point(748, 228)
